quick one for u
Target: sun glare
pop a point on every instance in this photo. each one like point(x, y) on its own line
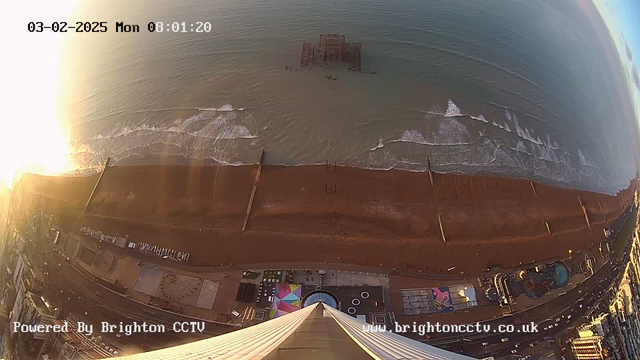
point(33, 136)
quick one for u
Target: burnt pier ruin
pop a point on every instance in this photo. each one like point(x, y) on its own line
point(332, 47)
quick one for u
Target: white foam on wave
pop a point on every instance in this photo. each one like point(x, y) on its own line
point(539, 152)
point(526, 134)
point(523, 132)
point(480, 118)
point(183, 126)
point(223, 108)
point(213, 126)
point(453, 132)
point(379, 146)
point(583, 160)
point(450, 132)
point(504, 127)
point(235, 132)
point(531, 153)
point(413, 136)
point(204, 115)
point(223, 119)
point(129, 130)
point(547, 154)
point(452, 109)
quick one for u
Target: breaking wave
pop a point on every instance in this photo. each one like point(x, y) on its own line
point(217, 134)
point(379, 146)
point(522, 132)
point(223, 108)
point(452, 109)
point(521, 152)
point(453, 140)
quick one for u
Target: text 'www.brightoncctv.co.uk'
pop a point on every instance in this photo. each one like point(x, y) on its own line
point(429, 328)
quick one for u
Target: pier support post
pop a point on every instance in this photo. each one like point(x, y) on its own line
point(253, 191)
point(95, 187)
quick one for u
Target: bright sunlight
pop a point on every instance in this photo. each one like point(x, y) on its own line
point(33, 137)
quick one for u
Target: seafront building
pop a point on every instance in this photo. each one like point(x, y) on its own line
point(23, 301)
point(615, 334)
point(587, 347)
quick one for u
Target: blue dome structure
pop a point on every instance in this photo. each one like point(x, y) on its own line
point(320, 296)
point(561, 274)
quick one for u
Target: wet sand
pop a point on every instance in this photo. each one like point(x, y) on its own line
point(334, 214)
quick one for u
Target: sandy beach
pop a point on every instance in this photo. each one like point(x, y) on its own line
point(331, 213)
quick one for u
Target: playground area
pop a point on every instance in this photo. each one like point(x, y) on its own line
point(442, 299)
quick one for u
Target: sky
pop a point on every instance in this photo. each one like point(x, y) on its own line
point(623, 20)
